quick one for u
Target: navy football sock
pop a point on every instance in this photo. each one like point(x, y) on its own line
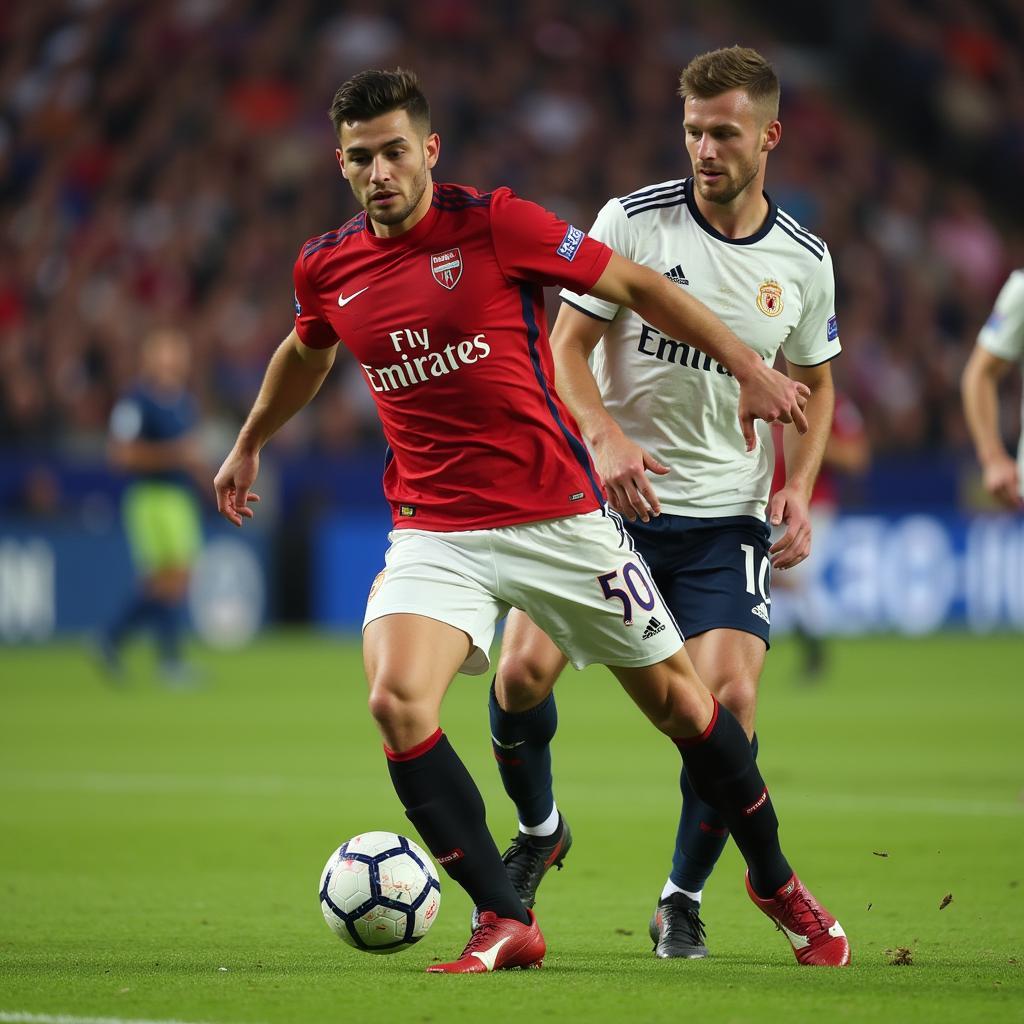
point(169, 625)
point(139, 612)
point(723, 772)
point(701, 837)
point(443, 803)
point(521, 743)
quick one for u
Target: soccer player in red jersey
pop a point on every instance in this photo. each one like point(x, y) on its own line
point(437, 292)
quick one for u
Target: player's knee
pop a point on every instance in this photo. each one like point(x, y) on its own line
point(402, 721)
point(739, 695)
point(521, 683)
point(685, 712)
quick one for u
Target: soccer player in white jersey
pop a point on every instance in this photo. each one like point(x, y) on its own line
point(1000, 346)
point(653, 403)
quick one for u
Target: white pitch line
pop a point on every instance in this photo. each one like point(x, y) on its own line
point(16, 1017)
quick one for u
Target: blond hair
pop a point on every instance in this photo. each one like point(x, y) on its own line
point(732, 67)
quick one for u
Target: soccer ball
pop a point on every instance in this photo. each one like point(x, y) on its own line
point(379, 892)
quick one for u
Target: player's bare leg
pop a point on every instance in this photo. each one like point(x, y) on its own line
point(523, 722)
point(721, 767)
point(729, 661)
point(410, 661)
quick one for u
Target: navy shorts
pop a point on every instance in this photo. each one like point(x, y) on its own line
point(713, 573)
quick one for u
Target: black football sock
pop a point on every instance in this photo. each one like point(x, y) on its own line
point(522, 747)
point(443, 803)
point(701, 837)
point(723, 772)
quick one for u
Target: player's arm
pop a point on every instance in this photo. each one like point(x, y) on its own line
point(979, 387)
point(804, 454)
point(293, 377)
point(765, 393)
point(620, 462)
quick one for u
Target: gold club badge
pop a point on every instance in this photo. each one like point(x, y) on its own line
point(769, 298)
point(375, 586)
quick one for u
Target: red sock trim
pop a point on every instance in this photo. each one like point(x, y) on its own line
point(692, 741)
point(413, 752)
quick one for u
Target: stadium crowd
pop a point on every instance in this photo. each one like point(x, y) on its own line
point(162, 163)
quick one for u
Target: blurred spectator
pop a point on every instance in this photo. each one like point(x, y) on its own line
point(164, 163)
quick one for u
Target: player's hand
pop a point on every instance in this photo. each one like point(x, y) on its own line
point(769, 395)
point(1002, 481)
point(231, 485)
point(623, 466)
point(789, 507)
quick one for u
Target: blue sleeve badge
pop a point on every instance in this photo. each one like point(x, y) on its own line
point(832, 328)
point(570, 244)
point(298, 306)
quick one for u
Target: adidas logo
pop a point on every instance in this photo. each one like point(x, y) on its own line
point(654, 627)
point(677, 275)
point(761, 611)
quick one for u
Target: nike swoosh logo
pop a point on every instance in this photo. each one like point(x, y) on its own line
point(507, 746)
point(342, 301)
point(488, 956)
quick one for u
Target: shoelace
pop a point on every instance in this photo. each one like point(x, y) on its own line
point(686, 925)
point(482, 936)
point(523, 859)
point(803, 911)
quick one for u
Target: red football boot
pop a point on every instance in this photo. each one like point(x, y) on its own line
point(498, 944)
point(816, 936)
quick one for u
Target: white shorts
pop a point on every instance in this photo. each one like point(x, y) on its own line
point(578, 578)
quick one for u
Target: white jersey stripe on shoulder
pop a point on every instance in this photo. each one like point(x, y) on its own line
point(814, 239)
point(669, 201)
point(658, 192)
point(793, 222)
point(818, 254)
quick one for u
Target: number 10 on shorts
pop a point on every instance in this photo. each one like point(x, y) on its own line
point(637, 589)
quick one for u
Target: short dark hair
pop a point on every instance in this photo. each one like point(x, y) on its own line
point(372, 93)
point(732, 67)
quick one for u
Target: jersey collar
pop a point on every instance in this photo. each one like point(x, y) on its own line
point(769, 221)
point(406, 239)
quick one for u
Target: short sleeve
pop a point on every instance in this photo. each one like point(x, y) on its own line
point(815, 339)
point(612, 228)
point(126, 421)
point(532, 244)
point(310, 326)
point(1003, 333)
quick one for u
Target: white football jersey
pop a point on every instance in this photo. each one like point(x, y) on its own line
point(774, 289)
point(1003, 336)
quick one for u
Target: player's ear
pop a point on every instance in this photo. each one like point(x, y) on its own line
point(772, 136)
point(340, 157)
point(432, 148)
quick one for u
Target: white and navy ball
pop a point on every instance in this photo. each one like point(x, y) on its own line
point(379, 892)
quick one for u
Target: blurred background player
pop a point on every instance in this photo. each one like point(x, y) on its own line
point(153, 439)
point(847, 454)
point(1000, 346)
point(654, 403)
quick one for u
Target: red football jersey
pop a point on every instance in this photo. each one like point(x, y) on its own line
point(447, 322)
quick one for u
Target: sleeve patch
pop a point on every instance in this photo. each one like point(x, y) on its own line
point(298, 305)
point(995, 321)
point(570, 244)
point(832, 328)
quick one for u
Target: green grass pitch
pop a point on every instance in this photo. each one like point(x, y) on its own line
point(160, 850)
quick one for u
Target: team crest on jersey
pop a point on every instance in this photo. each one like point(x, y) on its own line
point(447, 267)
point(769, 298)
point(375, 585)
